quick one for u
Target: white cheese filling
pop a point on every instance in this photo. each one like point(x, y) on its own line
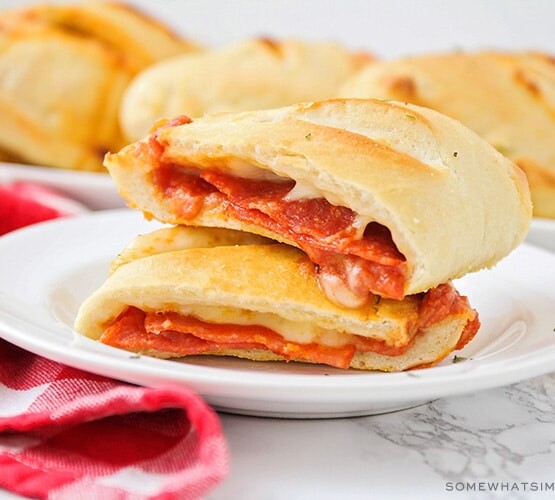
point(292, 331)
point(301, 190)
point(392, 332)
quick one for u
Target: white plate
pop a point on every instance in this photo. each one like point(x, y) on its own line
point(95, 190)
point(47, 270)
point(542, 233)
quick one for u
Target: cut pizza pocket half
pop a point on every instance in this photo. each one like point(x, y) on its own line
point(386, 199)
point(263, 302)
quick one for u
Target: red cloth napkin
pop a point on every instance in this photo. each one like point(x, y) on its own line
point(25, 203)
point(69, 434)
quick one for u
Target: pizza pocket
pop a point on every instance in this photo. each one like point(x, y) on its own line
point(251, 74)
point(263, 302)
point(506, 98)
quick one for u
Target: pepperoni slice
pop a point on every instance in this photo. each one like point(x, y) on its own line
point(180, 335)
point(324, 231)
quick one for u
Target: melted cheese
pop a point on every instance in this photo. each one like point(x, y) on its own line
point(301, 332)
point(246, 170)
point(360, 223)
point(338, 292)
point(303, 191)
point(292, 331)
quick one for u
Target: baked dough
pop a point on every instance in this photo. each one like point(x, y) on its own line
point(452, 203)
point(135, 34)
point(63, 71)
point(507, 98)
point(250, 74)
point(170, 239)
point(268, 285)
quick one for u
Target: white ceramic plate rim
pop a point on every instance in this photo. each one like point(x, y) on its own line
point(229, 384)
point(542, 233)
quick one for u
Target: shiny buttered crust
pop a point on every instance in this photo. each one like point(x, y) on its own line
point(170, 239)
point(275, 281)
point(247, 75)
point(507, 98)
point(452, 202)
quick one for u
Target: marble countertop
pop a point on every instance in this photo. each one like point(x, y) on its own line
point(454, 448)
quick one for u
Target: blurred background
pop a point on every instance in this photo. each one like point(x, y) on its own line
point(387, 28)
point(65, 106)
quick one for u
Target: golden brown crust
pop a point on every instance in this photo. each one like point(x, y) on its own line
point(170, 239)
point(251, 74)
point(269, 278)
point(507, 98)
point(427, 178)
point(272, 281)
point(139, 38)
point(63, 71)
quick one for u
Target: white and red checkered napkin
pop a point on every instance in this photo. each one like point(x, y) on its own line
point(69, 434)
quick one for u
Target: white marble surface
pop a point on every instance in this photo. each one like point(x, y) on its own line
point(503, 437)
